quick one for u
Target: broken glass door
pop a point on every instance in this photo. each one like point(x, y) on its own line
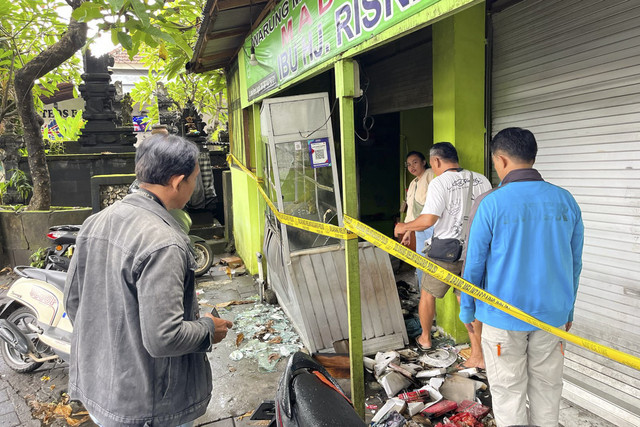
point(302, 169)
point(306, 270)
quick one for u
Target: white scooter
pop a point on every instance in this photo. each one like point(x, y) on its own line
point(34, 326)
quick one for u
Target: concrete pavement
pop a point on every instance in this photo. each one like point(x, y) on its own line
point(238, 386)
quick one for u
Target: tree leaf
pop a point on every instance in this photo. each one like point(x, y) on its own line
point(182, 44)
point(162, 52)
point(114, 35)
point(141, 12)
point(159, 34)
point(149, 40)
point(87, 11)
point(125, 40)
point(136, 36)
point(133, 25)
point(5, 7)
point(115, 5)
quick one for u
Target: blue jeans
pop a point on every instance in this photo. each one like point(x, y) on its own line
point(421, 237)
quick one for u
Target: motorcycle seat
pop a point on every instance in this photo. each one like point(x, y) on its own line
point(65, 228)
point(317, 404)
point(56, 278)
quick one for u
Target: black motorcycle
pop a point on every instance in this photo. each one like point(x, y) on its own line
point(63, 237)
point(308, 396)
point(58, 256)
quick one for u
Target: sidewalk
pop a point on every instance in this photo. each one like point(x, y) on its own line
point(238, 386)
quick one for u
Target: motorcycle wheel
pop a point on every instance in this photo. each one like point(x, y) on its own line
point(12, 357)
point(204, 258)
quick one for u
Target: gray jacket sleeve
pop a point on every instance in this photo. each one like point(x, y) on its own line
point(72, 291)
point(160, 285)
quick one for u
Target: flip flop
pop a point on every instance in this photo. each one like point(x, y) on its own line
point(423, 348)
point(463, 366)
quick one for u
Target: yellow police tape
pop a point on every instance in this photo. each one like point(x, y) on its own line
point(402, 252)
point(305, 224)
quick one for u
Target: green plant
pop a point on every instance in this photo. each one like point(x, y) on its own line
point(4, 186)
point(69, 129)
point(23, 152)
point(55, 147)
point(38, 259)
point(19, 182)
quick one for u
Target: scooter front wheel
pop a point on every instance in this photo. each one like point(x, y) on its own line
point(204, 258)
point(12, 357)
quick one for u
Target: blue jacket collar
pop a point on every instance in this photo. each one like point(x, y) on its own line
point(527, 174)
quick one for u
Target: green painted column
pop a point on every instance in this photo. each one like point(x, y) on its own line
point(345, 92)
point(458, 110)
point(257, 146)
point(257, 156)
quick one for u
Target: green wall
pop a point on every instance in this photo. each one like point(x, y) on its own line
point(458, 116)
point(458, 110)
point(248, 218)
point(248, 205)
point(416, 129)
point(458, 84)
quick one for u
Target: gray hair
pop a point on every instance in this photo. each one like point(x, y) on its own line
point(445, 151)
point(160, 157)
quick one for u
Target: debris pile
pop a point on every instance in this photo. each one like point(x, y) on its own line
point(428, 388)
point(73, 413)
point(409, 300)
point(232, 266)
point(266, 335)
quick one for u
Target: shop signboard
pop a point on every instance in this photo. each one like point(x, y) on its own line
point(297, 35)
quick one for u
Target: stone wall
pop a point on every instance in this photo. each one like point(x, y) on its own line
point(23, 233)
point(71, 174)
point(109, 194)
point(108, 189)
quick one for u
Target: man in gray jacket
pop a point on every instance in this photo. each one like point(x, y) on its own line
point(138, 347)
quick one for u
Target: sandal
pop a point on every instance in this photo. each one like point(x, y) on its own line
point(463, 366)
point(423, 348)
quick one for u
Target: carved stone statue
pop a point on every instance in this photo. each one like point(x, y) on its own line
point(127, 109)
point(117, 102)
point(192, 126)
point(168, 118)
point(101, 132)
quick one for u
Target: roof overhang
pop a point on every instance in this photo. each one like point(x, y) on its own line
point(225, 26)
point(62, 93)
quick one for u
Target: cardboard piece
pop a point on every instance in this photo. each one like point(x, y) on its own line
point(392, 404)
point(459, 388)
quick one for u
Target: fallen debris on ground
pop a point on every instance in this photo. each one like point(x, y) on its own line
point(424, 388)
point(268, 336)
point(63, 409)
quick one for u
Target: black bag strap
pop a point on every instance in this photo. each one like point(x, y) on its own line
point(467, 209)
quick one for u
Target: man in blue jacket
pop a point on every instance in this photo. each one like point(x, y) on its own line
point(524, 247)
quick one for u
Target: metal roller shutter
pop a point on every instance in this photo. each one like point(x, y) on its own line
point(570, 72)
point(391, 87)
